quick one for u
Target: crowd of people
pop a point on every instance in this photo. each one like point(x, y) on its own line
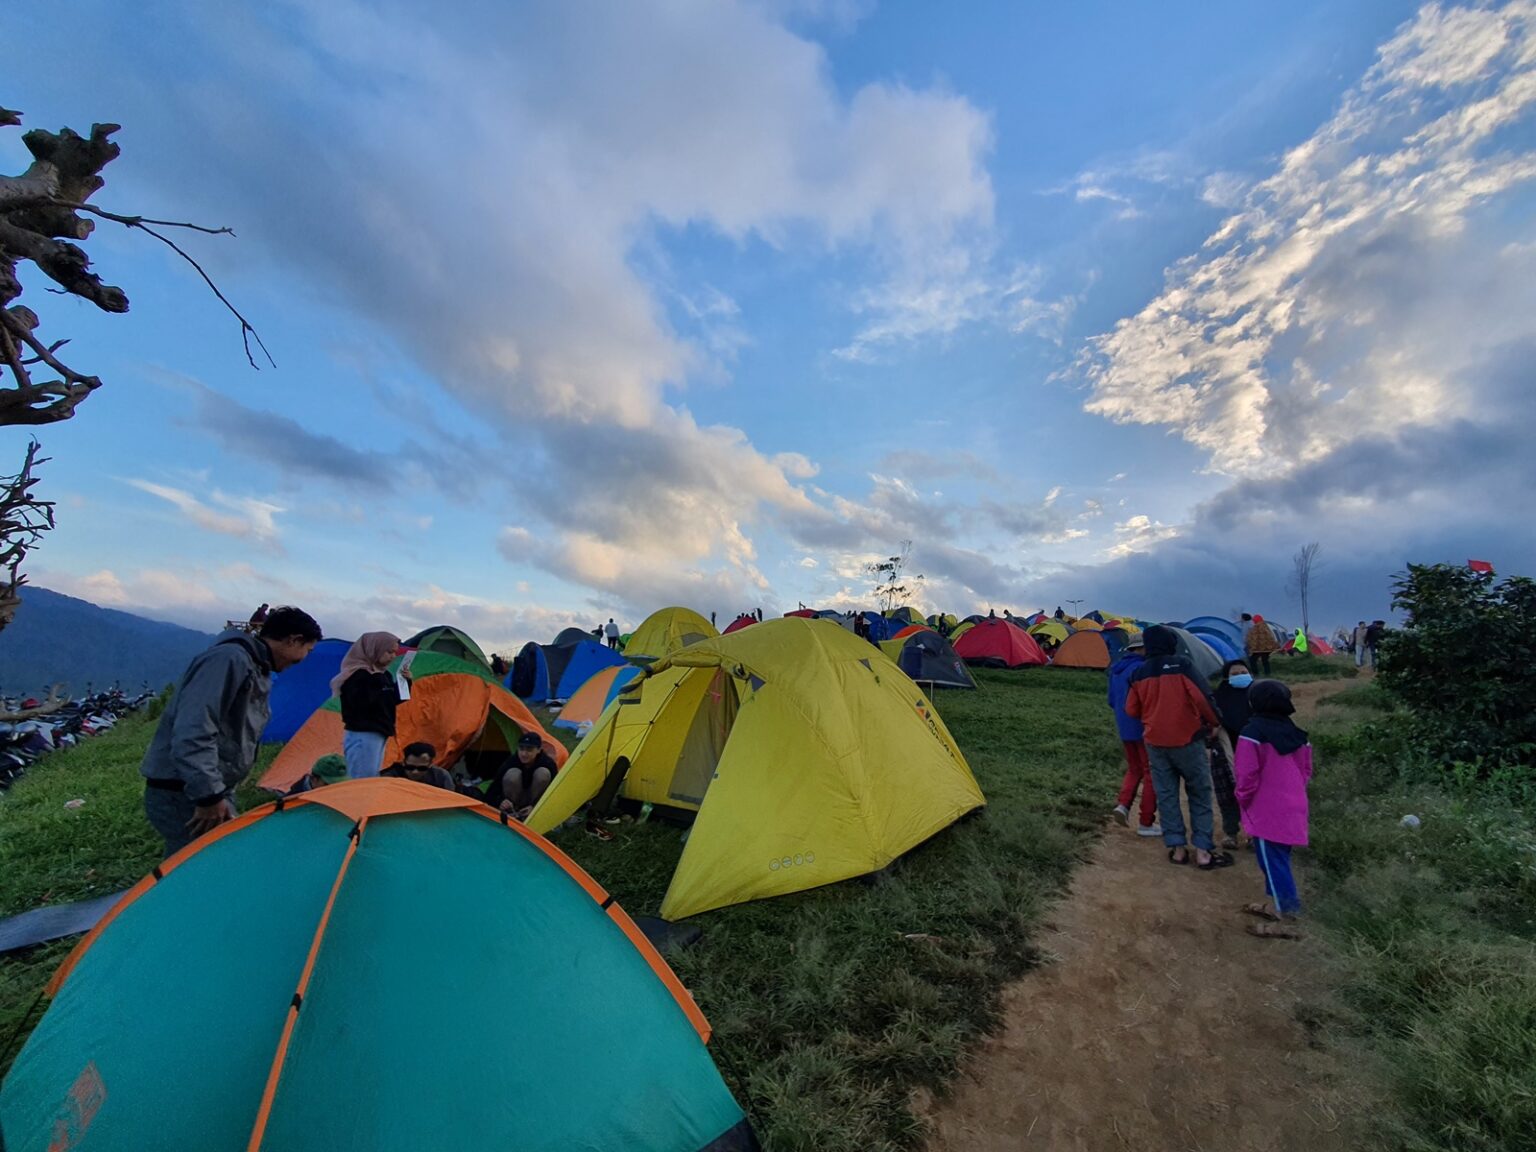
point(210, 732)
point(1230, 748)
point(1233, 748)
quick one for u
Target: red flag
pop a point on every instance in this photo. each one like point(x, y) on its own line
point(1481, 566)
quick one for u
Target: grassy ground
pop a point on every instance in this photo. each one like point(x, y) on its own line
point(1433, 937)
point(831, 1007)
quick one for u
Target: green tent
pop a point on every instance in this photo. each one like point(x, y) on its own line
point(448, 641)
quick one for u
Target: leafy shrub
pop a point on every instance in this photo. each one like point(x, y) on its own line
point(1463, 668)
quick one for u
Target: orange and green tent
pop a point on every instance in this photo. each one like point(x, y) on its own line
point(456, 706)
point(325, 972)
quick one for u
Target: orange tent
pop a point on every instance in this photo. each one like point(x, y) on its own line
point(593, 696)
point(1082, 650)
point(911, 629)
point(454, 706)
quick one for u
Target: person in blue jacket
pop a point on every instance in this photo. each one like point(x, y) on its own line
point(1138, 772)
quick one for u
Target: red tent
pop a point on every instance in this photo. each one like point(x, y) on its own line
point(804, 613)
point(911, 629)
point(1481, 566)
point(998, 643)
point(739, 623)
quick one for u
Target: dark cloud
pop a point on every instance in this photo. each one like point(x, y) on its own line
point(286, 445)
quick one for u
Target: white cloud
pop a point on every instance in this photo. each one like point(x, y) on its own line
point(1223, 189)
point(244, 516)
point(512, 256)
point(1355, 282)
point(1139, 534)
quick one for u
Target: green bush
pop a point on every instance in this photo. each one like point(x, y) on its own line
point(1462, 667)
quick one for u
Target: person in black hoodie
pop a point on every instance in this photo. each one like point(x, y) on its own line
point(1231, 698)
point(1176, 711)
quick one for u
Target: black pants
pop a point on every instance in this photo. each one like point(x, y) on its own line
point(1259, 661)
point(1224, 784)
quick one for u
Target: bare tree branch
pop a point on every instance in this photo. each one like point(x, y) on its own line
point(246, 331)
point(23, 520)
point(44, 213)
point(140, 221)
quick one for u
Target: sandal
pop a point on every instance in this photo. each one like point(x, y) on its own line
point(1217, 860)
point(1262, 911)
point(598, 832)
point(1171, 851)
point(1276, 931)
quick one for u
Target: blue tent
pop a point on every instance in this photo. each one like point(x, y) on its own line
point(1217, 626)
point(1222, 646)
point(585, 659)
point(880, 626)
point(528, 677)
point(299, 690)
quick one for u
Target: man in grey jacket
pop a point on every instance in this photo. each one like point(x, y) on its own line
point(210, 732)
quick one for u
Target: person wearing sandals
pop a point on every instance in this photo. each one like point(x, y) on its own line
point(1231, 698)
point(1175, 709)
point(1273, 767)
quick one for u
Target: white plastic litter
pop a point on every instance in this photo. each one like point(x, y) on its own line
point(1410, 821)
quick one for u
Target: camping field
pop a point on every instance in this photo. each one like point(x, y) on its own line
point(832, 1006)
point(837, 1012)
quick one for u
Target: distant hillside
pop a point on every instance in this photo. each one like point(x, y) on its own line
point(59, 638)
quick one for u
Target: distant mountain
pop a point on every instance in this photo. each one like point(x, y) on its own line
point(59, 638)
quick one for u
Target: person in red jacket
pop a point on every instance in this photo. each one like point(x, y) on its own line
point(1176, 712)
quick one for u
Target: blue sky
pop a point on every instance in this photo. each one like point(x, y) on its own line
point(581, 309)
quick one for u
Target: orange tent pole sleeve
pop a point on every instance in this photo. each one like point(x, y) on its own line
point(269, 1093)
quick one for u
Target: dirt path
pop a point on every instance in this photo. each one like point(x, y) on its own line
point(1161, 1026)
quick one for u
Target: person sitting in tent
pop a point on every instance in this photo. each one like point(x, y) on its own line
point(1260, 643)
point(416, 764)
point(526, 775)
point(327, 770)
point(369, 697)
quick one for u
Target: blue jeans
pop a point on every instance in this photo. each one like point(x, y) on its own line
point(1192, 764)
point(1275, 863)
point(364, 752)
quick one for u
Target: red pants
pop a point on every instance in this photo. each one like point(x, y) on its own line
point(1138, 772)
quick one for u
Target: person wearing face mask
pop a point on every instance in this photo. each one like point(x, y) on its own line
point(1231, 698)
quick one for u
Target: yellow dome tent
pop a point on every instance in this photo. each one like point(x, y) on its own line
point(1055, 629)
point(806, 754)
point(664, 632)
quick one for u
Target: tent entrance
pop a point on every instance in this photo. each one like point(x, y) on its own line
point(705, 742)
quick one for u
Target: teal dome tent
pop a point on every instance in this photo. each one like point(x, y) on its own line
point(379, 965)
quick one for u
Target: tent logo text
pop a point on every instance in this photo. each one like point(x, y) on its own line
point(791, 861)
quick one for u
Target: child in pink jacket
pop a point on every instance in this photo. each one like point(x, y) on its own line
point(1274, 764)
